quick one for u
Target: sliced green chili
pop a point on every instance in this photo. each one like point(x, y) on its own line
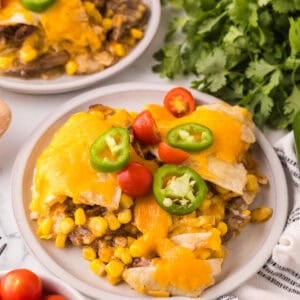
point(111, 150)
point(178, 189)
point(37, 5)
point(190, 137)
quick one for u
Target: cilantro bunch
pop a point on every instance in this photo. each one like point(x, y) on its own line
point(246, 52)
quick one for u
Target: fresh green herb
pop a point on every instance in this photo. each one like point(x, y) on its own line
point(246, 52)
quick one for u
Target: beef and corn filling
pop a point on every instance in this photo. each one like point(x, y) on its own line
point(137, 238)
point(72, 37)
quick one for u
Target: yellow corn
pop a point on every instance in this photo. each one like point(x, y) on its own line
point(261, 214)
point(124, 255)
point(202, 253)
point(45, 228)
point(6, 62)
point(105, 254)
point(221, 190)
point(27, 53)
point(60, 240)
point(136, 249)
point(246, 213)
point(66, 225)
point(113, 280)
point(107, 24)
point(252, 184)
point(79, 216)
point(98, 226)
point(130, 41)
point(126, 201)
point(112, 220)
point(124, 216)
point(156, 293)
point(114, 268)
point(92, 11)
point(71, 67)
point(136, 33)
point(205, 204)
point(141, 7)
point(119, 49)
point(88, 253)
point(97, 266)
point(109, 13)
point(222, 227)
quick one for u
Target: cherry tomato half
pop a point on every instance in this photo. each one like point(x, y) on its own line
point(54, 297)
point(145, 129)
point(179, 101)
point(21, 284)
point(135, 180)
point(171, 155)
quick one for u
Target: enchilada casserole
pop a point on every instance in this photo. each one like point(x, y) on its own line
point(70, 37)
point(163, 227)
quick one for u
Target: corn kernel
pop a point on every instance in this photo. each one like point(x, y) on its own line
point(130, 41)
point(124, 255)
point(6, 62)
point(71, 67)
point(246, 213)
point(136, 249)
point(221, 190)
point(113, 280)
point(27, 53)
point(155, 293)
point(60, 240)
point(124, 216)
point(114, 268)
point(97, 266)
point(79, 216)
point(45, 227)
point(98, 226)
point(205, 204)
point(136, 33)
point(126, 201)
point(202, 253)
point(109, 13)
point(66, 225)
point(88, 253)
point(119, 49)
point(261, 214)
point(222, 227)
point(141, 7)
point(107, 24)
point(105, 254)
point(252, 184)
point(112, 220)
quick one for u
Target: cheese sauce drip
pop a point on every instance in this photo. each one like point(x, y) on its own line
point(176, 265)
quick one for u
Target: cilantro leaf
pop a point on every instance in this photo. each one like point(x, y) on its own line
point(292, 104)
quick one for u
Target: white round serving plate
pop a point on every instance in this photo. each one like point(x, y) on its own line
point(247, 253)
point(66, 83)
point(54, 285)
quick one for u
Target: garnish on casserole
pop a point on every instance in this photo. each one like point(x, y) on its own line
point(153, 209)
point(45, 38)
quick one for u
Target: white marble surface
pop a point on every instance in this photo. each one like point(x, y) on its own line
point(27, 112)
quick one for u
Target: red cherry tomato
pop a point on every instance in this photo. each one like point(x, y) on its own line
point(54, 297)
point(135, 180)
point(179, 101)
point(145, 129)
point(21, 284)
point(171, 155)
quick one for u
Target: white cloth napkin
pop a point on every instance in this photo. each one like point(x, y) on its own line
point(279, 278)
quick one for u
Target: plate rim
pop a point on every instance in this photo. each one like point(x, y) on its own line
point(44, 87)
point(280, 190)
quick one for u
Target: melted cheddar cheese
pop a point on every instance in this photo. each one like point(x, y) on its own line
point(13, 12)
point(64, 169)
point(66, 21)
